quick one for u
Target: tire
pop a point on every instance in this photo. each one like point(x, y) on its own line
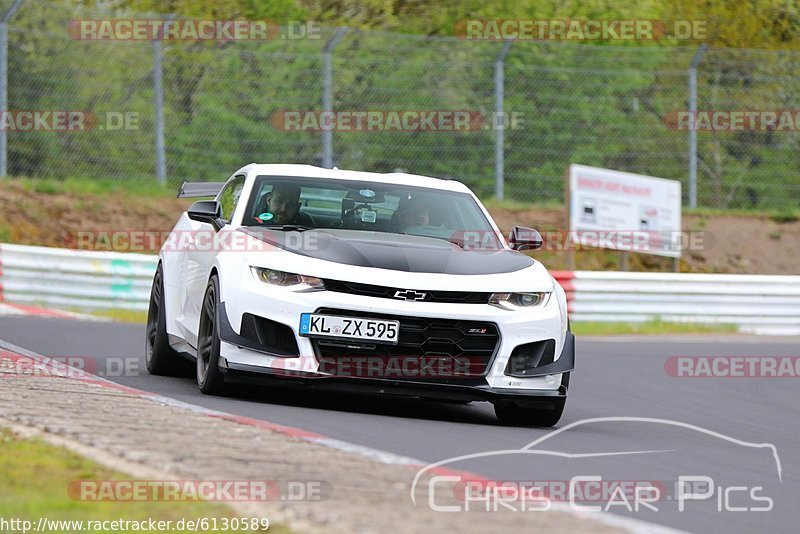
point(159, 357)
point(548, 414)
point(514, 414)
point(209, 378)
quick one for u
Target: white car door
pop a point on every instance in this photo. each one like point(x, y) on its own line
point(200, 257)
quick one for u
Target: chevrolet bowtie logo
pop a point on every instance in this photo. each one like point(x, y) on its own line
point(410, 294)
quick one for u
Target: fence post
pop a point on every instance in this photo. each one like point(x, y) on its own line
point(698, 56)
point(499, 132)
point(158, 97)
point(4, 83)
point(327, 95)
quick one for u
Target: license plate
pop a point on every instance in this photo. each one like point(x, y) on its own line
point(335, 326)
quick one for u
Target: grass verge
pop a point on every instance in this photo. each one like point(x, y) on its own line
point(592, 328)
point(122, 316)
point(35, 476)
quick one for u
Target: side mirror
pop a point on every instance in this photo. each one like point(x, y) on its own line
point(207, 211)
point(522, 238)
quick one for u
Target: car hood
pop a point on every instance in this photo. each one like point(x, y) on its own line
point(395, 252)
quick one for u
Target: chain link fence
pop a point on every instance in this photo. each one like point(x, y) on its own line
point(224, 102)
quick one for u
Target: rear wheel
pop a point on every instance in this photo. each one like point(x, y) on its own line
point(517, 414)
point(209, 378)
point(160, 358)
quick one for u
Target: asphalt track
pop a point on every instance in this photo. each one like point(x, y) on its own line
point(615, 378)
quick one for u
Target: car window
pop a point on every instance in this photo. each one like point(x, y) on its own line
point(371, 206)
point(229, 197)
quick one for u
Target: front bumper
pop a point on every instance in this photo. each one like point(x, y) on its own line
point(243, 359)
point(463, 392)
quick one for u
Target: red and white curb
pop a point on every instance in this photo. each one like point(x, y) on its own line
point(21, 310)
point(50, 367)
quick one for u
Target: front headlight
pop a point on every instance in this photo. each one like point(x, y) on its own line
point(274, 277)
point(514, 301)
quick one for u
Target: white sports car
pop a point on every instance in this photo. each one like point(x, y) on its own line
point(385, 283)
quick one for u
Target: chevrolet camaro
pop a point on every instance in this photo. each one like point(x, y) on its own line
point(333, 279)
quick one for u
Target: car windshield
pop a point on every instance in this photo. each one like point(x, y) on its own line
point(312, 203)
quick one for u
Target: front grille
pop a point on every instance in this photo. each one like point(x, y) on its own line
point(368, 290)
point(441, 349)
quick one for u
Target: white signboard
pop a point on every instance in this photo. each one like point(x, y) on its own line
point(625, 211)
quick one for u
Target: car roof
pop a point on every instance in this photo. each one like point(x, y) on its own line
point(311, 171)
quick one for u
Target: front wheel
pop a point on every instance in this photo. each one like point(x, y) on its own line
point(209, 378)
point(517, 414)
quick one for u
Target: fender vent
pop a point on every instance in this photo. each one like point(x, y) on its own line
point(528, 357)
point(270, 335)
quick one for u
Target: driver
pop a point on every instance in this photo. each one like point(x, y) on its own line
point(413, 212)
point(282, 206)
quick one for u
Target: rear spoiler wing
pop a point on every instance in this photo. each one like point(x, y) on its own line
point(200, 189)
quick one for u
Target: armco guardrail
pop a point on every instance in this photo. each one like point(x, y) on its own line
point(86, 280)
point(756, 303)
point(75, 279)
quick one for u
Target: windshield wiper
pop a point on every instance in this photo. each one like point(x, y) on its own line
point(286, 227)
point(455, 242)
